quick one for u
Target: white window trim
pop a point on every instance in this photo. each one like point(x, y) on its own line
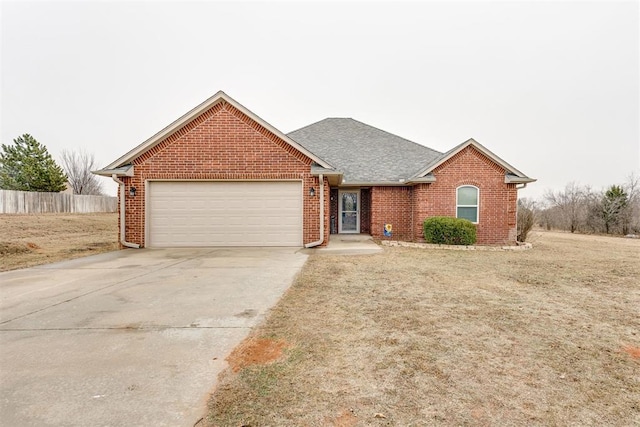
point(477, 206)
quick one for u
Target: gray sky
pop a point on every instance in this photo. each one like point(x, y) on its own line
point(551, 87)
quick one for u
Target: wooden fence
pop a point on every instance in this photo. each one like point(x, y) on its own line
point(31, 202)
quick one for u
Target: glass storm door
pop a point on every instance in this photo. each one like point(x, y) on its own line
point(349, 211)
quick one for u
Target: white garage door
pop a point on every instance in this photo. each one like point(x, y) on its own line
point(204, 213)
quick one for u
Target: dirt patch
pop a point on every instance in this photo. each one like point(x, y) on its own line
point(442, 338)
point(256, 351)
point(345, 419)
point(29, 240)
point(632, 351)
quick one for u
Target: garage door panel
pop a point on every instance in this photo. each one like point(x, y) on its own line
point(204, 213)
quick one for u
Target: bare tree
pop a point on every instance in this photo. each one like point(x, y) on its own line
point(567, 206)
point(631, 214)
point(595, 217)
point(579, 208)
point(526, 217)
point(78, 166)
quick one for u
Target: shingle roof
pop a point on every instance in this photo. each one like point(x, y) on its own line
point(364, 154)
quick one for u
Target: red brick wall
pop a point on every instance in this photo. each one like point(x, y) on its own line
point(334, 211)
point(497, 216)
point(221, 144)
point(407, 207)
point(420, 199)
point(392, 205)
point(365, 211)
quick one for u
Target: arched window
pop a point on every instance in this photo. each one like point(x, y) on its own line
point(467, 198)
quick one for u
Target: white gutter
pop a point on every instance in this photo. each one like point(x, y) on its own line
point(123, 242)
point(319, 242)
point(513, 179)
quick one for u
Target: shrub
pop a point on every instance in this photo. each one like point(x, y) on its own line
point(444, 230)
point(526, 217)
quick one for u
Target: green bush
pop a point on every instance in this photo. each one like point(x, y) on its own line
point(444, 230)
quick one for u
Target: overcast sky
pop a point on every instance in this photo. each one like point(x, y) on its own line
point(551, 87)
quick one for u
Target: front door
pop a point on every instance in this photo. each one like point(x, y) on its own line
point(349, 208)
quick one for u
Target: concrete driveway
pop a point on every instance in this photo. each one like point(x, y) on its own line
point(130, 338)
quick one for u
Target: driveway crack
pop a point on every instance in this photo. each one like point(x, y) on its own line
point(96, 290)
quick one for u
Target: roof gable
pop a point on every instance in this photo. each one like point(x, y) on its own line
point(178, 124)
point(511, 174)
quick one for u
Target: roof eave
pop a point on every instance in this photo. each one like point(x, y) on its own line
point(399, 183)
point(220, 96)
point(512, 179)
point(333, 176)
point(428, 179)
point(317, 170)
point(126, 170)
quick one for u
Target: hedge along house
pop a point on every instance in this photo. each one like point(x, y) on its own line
point(222, 176)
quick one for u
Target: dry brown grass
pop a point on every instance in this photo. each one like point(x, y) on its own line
point(28, 240)
point(417, 337)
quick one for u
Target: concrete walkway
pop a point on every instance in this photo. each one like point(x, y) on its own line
point(133, 337)
point(348, 244)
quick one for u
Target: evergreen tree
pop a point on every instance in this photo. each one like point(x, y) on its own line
point(27, 166)
point(613, 204)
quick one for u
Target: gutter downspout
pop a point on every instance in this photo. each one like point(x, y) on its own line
point(122, 215)
point(319, 242)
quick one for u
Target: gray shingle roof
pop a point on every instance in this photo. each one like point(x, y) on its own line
point(364, 154)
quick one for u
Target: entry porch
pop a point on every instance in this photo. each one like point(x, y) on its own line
point(350, 211)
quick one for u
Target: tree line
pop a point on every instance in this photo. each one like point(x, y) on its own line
point(26, 165)
point(581, 209)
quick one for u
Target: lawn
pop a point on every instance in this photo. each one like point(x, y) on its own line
point(28, 240)
point(414, 337)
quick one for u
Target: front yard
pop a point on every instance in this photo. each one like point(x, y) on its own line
point(28, 240)
point(414, 337)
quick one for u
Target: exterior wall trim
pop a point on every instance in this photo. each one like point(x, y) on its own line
point(477, 205)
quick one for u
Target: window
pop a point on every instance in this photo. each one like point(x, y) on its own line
point(467, 203)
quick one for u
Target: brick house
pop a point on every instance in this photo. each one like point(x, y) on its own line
point(222, 176)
